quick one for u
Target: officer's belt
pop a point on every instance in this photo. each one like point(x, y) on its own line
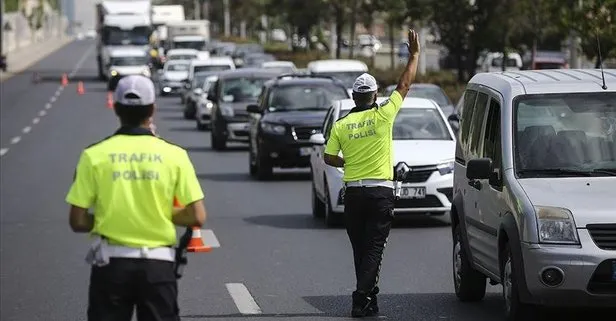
point(156, 253)
point(370, 183)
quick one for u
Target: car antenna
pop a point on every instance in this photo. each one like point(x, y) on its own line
point(604, 87)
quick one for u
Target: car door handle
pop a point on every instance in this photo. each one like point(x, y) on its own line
point(476, 184)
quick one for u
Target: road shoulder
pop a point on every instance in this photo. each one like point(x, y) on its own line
point(22, 58)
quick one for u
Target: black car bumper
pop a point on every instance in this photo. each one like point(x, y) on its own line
point(113, 82)
point(285, 153)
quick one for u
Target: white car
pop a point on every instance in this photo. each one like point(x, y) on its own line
point(182, 54)
point(423, 140)
point(282, 65)
point(173, 76)
point(203, 114)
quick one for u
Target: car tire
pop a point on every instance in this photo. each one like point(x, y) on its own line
point(318, 207)
point(332, 219)
point(469, 284)
point(515, 310)
point(201, 127)
point(218, 143)
point(264, 168)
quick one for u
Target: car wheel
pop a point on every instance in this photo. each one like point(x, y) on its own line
point(514, 309)
point(470, 284)
point(218, 142)
point(318, 208)
point(331, 218)
point(201, 127)
point(264, 168)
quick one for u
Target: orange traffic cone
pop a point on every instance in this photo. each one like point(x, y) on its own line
point(80, 89)
point(109, 100)
point(196, 243)
point(64, 79)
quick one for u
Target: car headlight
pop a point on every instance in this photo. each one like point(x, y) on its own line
point(209, 105)
point(114, 73)
point(445, 168)
point(226, 111)
point(273, 128)
point(556, 225)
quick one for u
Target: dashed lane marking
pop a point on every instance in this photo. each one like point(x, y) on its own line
point(3, 151)
point(53, 99)
point(209, 238)
point(26, 129)
point(48, 106)
point(244, 302)
point(36, 120)
point(42, 113)
point(15, 140)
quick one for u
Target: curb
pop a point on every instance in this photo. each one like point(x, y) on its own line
point(60, 43)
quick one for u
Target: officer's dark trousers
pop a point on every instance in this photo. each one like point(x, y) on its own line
point(368, 215)
point(150, 285)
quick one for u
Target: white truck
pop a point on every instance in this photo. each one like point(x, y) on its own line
point(190, 34)
point(161, 17)
point(121, 23)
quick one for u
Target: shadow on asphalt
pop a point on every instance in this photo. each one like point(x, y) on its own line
point(244, 177)
point(183, 128)
point(282, 316)
point(208, 149)
point(56, 76)
point(165, 109)
point(445, 306)
point(176, 117)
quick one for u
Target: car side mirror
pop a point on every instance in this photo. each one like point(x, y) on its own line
point(453, 118)
point(198, 91)
point(253, 109)
point(479, 168)
point(317, 139)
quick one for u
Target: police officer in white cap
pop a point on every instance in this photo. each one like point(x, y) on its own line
point(364, 137)
point(130, 179)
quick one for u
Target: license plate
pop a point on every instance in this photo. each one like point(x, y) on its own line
point(413, 192)
point(614, 270)
point(305, 151)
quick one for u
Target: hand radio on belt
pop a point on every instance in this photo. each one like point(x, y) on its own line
point(401, 171)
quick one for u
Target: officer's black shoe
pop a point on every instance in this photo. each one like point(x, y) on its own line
point(361, 305)
point(373, 307)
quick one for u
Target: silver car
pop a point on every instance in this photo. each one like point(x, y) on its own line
point(534, 205)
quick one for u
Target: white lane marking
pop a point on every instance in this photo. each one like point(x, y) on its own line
point(48, 106)
point(3, 151)
point(242, 298)
point(81, 61)
point(36, 120)
point(26, 129)
point(209, 238)
point(42, 113)
point(58, 92)
point(15, 140)
point(60, 89)
point(53, 99)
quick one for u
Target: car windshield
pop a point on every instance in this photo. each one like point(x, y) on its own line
point(129, 61)
point(114, 36)
point(211, 68)
point(197, 45)
point(561, 134)
point(302, 97)
point(434, 93)
point(346, 77)
point(182, 57)
point(177, 67)
point(417, 124)
point(243, 89)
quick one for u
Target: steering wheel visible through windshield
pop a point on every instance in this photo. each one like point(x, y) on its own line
point(242, 89)
point(304, 97)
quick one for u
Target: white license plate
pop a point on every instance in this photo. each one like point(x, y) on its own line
point(413, 192)
point(305, 151)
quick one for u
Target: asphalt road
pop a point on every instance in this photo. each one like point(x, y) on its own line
point(292, 266)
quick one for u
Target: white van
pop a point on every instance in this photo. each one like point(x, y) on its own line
point(209, 65)
point(493, 62)
point(346, 70)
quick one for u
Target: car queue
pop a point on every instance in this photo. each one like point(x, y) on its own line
point(509, 167)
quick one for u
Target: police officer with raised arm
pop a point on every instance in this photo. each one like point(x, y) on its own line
point(130, 180)
point(364, 137)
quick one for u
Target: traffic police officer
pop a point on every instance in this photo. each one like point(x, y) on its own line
point(364, 137)
point(130, 180)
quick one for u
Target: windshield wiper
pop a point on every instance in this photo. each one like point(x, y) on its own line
point(567, 171)
point(607, 171)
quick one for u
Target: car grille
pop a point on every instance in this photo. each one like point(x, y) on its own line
point(429, 201)
point(419, 174)
point(604, 235)
point(304, 133)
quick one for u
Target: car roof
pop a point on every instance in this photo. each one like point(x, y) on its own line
point(213, 61)
point(183, 51)
point(515, 83)
point(330, 65)
point(246, 72)
point(346, 104)
point(297, 79)
point(178, 62)
point(127, 52)
point(278, 63)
